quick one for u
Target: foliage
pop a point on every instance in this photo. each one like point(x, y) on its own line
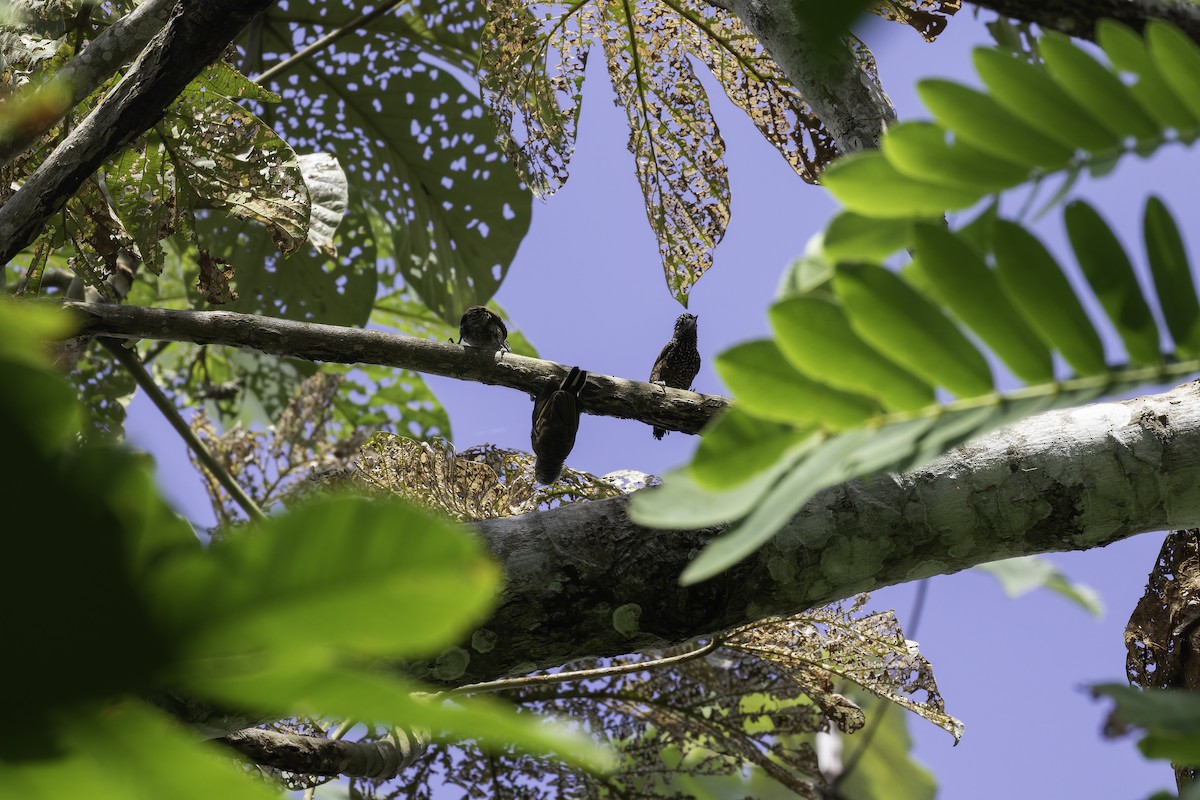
point(292, 616)
point(532, 76)
point(863, 356)
point(752, 703)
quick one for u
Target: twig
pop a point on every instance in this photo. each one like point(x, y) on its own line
point(324, 41)
point(130, 361)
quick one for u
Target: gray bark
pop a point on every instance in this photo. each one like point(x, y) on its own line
point(1065, 480)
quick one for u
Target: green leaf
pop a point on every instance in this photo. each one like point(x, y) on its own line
point(905, 326)
point(1172, 276)
point(1111, 276)
point(336, 574)
point(767, 385)
point(1181, 750)
point(867, 183)
point(41, 407)
point(26, 327)
point(855, 237)
point(736, 446)
point(884, 765)
point(1096, 88)
point(1178, 60)
point(1033, 97)
point(130, 751)
point(680, 502)
point(423, 152)
point(825, 465)
point(919, 150)
point(1018, 576)
point(815, 336)
point(1173, 711)
point(967, 287)
point(1128, 53)
point(379, 697)
point(979, 120)
point(1034, 282)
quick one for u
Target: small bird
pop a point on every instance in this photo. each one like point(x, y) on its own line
point(482, 327)
point(679, 361)
point(555, 423)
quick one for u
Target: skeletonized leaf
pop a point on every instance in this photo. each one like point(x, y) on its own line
point(531, 74)
point(1172, 276)
point(673, 137)
point(1036, 284)
point(905, 326)
point(228, 156)
point(1107, 268)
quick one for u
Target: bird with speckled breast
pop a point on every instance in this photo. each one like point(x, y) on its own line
point(481, 327)
point(679, 361)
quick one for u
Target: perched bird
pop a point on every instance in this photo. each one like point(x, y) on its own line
point(482, 327)
point(555, 422)
point(679, 361)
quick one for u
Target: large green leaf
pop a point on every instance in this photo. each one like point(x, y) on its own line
point(1035, 283)
point(920, 151)
point(738, 446)
point(964, 283)
point(815, 336)
point(977, 118)
point(867, 182)
point(768, 386)
point(904, 325)
point(416, 145)
point(1129, 53)
point(1107, 268)
point(1034, 97)
point(1178, 60)
point(297, 586)
point(1095, 88)
point(1172, 276)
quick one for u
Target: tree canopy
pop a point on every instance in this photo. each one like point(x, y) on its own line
point(274, 216)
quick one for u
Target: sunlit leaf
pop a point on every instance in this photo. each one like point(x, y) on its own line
point(867, 182)
point(1035, 283)
point(920, 151)
point(1107, 268)
point(1129, 53)
point(1172, 276)
point(1019, 576)
point(737, 446)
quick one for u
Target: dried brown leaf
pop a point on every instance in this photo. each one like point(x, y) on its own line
point(927, 17)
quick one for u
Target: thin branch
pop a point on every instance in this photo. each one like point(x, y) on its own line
point(323, 42)
point(130, 361)
point(672, 409)
point(505, 684)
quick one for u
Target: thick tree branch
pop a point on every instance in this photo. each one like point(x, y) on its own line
point(1079, 19)
point(672, 409)
point(1065, 480)
point(851, 105)
point(194, 36)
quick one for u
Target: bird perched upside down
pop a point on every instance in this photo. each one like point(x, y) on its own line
point(679, 360)
point(555, 423)
point(481, 327)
